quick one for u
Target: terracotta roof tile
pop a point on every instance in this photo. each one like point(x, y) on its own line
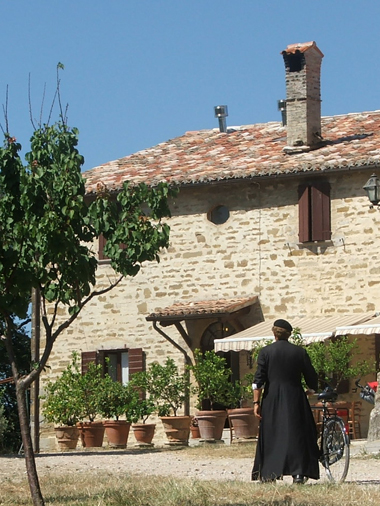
point(250, 151)
point(301, 47)
point(201, 309)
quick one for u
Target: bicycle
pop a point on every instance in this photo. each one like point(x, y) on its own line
point(334, 439)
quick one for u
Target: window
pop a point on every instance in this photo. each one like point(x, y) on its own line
point(218, 215)
point(101, 243)
point(314, 212)
point(121, 364)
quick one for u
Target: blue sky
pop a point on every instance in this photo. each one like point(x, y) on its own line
point(140, 72)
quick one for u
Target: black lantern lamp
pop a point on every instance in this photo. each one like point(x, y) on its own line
point(372, 187)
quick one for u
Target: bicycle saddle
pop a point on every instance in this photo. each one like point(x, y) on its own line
point(328, 395)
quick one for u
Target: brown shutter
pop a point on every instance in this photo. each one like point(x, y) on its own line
point(102, 243)
point(377, 351)
point(87, 357)
point(304, 213)
point(343, 387)
point(136, 360)
point(320, 212)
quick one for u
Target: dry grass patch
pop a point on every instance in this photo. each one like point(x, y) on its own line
point(106, 489)
point(236, 450)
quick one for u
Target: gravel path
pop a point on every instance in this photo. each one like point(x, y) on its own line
point(168, 463)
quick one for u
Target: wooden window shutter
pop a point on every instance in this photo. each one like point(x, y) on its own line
point(304, 219)
point(87, 357)
point(343, 387)
point(377, 351)
point(102, 243)
point(136, 360)
point(320, 211)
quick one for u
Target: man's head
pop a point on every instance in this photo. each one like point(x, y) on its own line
point(282, 329)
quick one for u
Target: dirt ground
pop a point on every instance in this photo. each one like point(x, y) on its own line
point(177, 463)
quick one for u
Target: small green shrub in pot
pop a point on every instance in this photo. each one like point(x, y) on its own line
point(212, 376)
point(166, 386)
point(90, 391)
point(114, 399)
point(140, 410)
point(62, 399)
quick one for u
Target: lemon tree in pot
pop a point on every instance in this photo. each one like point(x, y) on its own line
point(115, 400)
point(213, 389)
point(62, 405)
point(92, 429)
point(169, 389)
point(241, 416)
point(138, 413)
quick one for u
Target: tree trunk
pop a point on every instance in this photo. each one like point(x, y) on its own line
point(30, 462)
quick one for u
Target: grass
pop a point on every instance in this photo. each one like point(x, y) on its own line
point(105, 489)
point(101, 488)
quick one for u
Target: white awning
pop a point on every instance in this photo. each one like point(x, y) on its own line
point(371, 327)
point(312, 330)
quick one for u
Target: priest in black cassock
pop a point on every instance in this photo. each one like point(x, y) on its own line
point(287, 443)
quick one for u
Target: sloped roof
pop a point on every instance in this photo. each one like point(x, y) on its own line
point(251, 151)
point(201, 309)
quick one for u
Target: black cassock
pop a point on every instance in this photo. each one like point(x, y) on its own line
point(287, 443)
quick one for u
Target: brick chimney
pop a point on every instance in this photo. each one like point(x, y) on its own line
point(303, 96)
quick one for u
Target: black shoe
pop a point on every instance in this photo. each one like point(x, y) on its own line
point(268, 480)
point(299, 479)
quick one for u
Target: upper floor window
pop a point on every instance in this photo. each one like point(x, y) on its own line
point(218, 215)
point(101, 243)
point(314, 211)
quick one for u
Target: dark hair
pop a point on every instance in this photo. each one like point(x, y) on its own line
point(280, 333)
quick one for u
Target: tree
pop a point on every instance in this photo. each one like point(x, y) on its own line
point(11, 440)
point(334, 359)
point(48, 229)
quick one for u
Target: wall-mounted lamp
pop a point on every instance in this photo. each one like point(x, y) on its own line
point(372, 187)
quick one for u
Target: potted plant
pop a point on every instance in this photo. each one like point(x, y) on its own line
point(194, 428)
point(92, 430)
point(62, 405)
point(114, 401)
point(168, 389)
point(138, 413)
point(213, 389)
point(243, 423)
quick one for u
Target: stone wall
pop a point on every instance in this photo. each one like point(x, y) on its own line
point(256, 252)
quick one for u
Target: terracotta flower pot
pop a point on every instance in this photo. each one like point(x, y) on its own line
point(195, 434)
point(177, 429)
point(117, 432)
point(92, 434)
point(67, 437)
point(144, 433)
point(244, 423)
point(211, 424)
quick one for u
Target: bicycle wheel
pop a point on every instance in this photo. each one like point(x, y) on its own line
point(336, 450)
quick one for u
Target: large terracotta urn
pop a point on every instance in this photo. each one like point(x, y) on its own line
point(211, 424)
point(245, 425)
point(67, 437)
point(92, 434)
point(144, 433)
point(117, 432)
point(177, 429)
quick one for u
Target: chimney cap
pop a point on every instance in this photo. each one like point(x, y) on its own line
point(302, 47)
point(221, 111)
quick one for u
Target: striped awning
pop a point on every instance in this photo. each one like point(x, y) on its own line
point(312, 330)
point(370, 327)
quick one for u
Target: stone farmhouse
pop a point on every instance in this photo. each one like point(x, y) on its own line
point(271, 221)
